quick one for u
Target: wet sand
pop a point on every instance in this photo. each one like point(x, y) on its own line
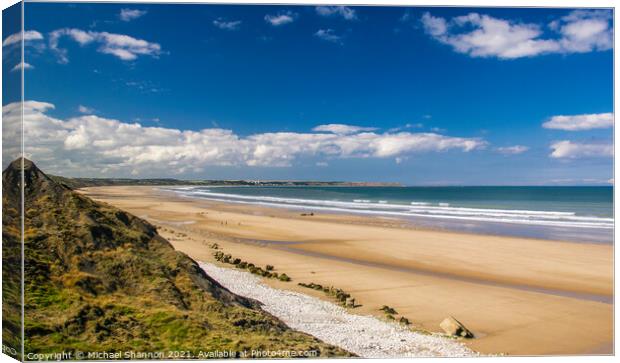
point(519, 296)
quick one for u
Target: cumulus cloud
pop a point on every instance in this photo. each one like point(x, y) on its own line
point(227, 25)
point(121, 46)
point(512, 150)
point(479, 35)
point(328, 35)
point(281, 18)
point(342, 128)
point(92, 145)
point(131, 14)
point(29, 35)
point(581, 122)
point(566, 149)
point(344, 11)
point(19, 66)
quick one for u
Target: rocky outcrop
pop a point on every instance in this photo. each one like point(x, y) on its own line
point(455, 328)
point(98, 278)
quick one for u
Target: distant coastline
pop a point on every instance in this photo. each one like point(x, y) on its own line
point(97, 182)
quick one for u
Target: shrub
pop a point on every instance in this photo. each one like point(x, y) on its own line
point(269, 268)
point(284, 277)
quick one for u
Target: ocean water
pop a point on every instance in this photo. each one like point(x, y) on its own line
point(583, 214)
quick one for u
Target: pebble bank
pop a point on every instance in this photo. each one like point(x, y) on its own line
point(365, 336)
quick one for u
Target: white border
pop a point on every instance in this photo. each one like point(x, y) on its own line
point(461, 3)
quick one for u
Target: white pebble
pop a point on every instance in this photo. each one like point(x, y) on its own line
point(365, 336)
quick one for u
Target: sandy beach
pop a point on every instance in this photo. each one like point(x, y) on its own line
point(519, 296)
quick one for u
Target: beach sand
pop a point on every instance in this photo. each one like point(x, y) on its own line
point(519, 296)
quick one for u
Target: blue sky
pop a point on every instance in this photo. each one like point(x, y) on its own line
point(437, 95)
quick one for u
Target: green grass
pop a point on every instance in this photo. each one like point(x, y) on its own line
point(98, 279)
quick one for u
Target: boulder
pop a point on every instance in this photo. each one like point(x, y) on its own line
point(454, 327)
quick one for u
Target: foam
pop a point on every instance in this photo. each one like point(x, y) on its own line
point(414, 209)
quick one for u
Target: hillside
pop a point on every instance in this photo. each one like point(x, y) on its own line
point(100, 279)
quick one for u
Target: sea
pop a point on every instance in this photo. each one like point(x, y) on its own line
point(570, 213)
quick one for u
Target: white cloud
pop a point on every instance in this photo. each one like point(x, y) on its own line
point(328, 35)
point(581, 122)
point(434, 26)
point(121, 46)
point(342, 129)
point(19, 66)
point(573, 150)
point(512, 150)
point(131, 14)
point(85, 109)
point(92, 145)
point(227, 25)
point(344, 11)
point(29, 35)
point(584, 31)
point(281, 18)
point(481, 35)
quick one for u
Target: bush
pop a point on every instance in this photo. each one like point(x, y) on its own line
point(236, 261)
point(269, 268)
point(284, 277)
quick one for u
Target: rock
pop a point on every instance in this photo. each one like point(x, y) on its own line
point(454, 327)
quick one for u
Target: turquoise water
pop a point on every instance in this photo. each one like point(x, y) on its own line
point(570, 213)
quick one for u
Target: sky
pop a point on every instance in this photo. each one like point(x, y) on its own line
point(420, 96)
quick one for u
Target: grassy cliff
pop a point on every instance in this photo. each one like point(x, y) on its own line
point(100, 279)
